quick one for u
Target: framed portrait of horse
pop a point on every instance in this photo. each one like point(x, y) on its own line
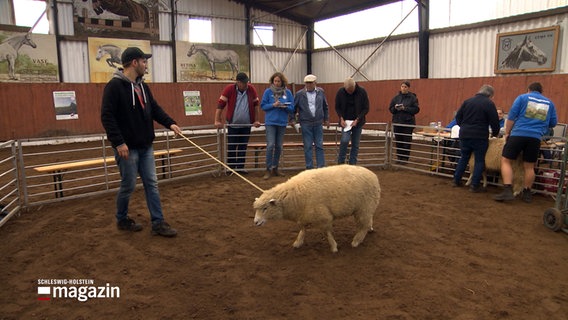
point(527, 51)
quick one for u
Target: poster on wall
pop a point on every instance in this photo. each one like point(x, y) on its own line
point(527, 51)
point(192, 103)
point(210, 62)
point(137, 19)
point(27, 57)
point(65, 105)
point(105, 54)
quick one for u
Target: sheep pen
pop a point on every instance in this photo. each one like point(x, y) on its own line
point(315, 198)
point(437, 253)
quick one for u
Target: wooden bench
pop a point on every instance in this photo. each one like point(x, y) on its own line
point(57, 170)
point(259, 146)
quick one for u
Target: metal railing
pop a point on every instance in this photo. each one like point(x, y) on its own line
point(22, 185)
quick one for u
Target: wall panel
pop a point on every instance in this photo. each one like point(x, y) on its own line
point(438, 98)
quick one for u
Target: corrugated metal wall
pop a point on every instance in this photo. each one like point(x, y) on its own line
point(471, 52)
point(453, 54)
point(394, 60)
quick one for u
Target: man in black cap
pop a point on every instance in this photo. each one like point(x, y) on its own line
point(128, 112)
point(243, 109)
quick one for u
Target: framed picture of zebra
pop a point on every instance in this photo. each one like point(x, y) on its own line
point(527, 51)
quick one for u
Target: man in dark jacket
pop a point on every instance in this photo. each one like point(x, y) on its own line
point(474, 117)
point(351, 105)
point(128, 112)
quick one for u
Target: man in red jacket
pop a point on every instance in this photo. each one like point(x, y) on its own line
point(243, 109)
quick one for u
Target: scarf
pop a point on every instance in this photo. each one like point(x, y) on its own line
point(278, 92)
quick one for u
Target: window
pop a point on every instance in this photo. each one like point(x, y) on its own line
point(28, 11)
point(200, 30)
point(263, 35)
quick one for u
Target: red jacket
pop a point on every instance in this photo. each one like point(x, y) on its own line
point(230, 92)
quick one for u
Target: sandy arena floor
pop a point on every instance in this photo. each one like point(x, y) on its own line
point(437, 253)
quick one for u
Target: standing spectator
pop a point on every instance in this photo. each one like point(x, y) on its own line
point(277, 103)
point(243, 109)
point(404, 107)
point(530, 118)
point(474, 116)
point(312, 109)
point(127, 114)
point(351, 104)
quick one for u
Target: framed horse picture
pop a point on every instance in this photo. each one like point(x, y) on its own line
point(527, 51)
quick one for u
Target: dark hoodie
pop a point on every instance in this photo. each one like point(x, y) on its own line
point(122, 115)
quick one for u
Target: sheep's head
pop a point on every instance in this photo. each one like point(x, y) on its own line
point(266, 209)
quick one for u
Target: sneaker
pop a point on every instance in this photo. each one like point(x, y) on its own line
point(526, 195)
point(267, 175)
point(128, 224)
point(477, 189)
point(277, 173)
point(458, 184)
point(506, 195)
point(163, 229)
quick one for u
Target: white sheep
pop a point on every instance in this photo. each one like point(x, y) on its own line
point(493, 163)
point(314, 198)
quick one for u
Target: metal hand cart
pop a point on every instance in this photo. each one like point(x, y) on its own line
point(556, 218)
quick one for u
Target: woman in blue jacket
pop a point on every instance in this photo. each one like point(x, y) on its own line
point(277, 102)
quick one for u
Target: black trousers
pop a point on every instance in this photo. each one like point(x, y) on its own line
point(403, 138)
point(237, 142)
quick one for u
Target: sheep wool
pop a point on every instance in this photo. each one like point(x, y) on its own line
point(315, 198)
point(493, 163)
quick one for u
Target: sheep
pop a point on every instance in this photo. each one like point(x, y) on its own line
point(314, 198)
point(493, 163)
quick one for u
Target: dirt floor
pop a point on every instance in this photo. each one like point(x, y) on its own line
point(438, 253)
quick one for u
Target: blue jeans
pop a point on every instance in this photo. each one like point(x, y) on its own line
point(237, 142)
point(479, 148)
point(140, 161)
point(355, 136)
point(274, 141)
point(313, 135)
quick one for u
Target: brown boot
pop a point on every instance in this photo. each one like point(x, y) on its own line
point(277, 173)
point(267, 175)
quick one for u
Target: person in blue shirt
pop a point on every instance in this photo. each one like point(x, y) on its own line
point(501, 117)
point(278, 103)
point(530, 118)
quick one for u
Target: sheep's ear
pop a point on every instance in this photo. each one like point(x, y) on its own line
point(255, 199)
point(272, 202)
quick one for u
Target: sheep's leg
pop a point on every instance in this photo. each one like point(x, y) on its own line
point(364, 224)
point(331, 241)
point(484, 175)
point(300, 239)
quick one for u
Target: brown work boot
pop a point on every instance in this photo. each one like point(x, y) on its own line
point(506, 195)
point(277, 173)
point(267, 175)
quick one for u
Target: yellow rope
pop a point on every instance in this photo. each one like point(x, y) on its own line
point(221, 163)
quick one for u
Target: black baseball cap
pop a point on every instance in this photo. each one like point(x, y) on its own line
point(133, 53)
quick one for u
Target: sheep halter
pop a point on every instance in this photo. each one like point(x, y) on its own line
point(221, 163)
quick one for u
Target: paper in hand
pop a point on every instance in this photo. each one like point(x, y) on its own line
point(348, 126)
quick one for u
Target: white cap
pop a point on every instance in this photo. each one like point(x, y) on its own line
point(310, 78)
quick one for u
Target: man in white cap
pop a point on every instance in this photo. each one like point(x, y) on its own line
point(128, 114)
point(311, 107)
